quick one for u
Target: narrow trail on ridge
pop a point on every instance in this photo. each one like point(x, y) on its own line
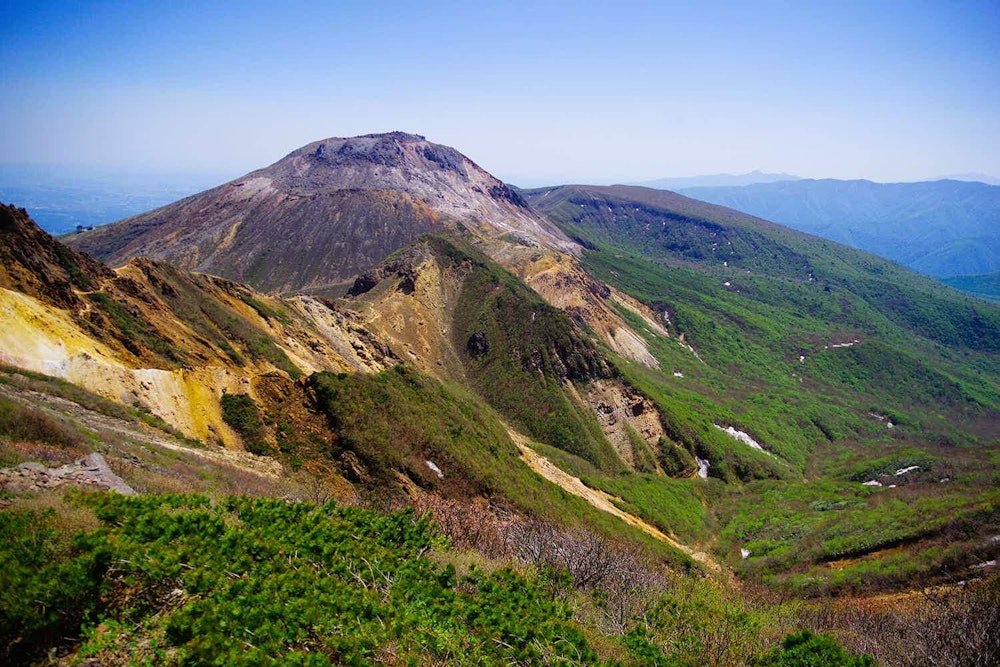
point(601, 500)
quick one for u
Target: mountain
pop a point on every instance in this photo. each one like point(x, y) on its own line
point(939, 228)
point(977, 177)
point(337, 206)
point(716, 180)
point(605, 389)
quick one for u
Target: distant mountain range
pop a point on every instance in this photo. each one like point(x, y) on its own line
point(939, 228)
point(977, 177)
point(716, 180)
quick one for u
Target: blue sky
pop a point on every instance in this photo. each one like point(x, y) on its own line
point(534, 92)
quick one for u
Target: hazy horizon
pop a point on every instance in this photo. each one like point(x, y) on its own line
point(536, 94)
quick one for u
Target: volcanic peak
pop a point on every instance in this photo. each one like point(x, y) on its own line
point(327, 212)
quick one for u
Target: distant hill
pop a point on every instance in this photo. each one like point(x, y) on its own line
point(977, 177)
point(985, 285)
point(939, 228)
point(716, 180)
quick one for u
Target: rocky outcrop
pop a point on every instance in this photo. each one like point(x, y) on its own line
point(34, 263)
point(91, 473)
point(619, 409)
point(153, 335)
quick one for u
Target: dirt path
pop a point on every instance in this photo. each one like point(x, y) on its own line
point(137, 432)
point(599, 499)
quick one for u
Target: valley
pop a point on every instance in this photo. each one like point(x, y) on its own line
point(650, 429)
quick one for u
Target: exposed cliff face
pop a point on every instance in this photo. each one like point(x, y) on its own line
point(153, 335)
point(628, 420)
point(33, 263)
point(324, 213)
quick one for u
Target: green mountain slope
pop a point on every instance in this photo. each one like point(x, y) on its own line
point(839, 364)
point(939, 228)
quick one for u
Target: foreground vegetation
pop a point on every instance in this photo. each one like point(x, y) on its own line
point(178, 579)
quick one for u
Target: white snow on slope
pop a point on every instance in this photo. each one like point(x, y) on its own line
point(742, 437)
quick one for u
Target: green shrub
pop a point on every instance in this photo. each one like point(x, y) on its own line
point(265, 581)
point(20, 423)
point(805, 649)
point(241, 413)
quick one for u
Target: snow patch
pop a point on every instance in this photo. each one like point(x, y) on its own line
point(703, 466)
point(979, 566)
point(683, 343)
point(435, 469)
point(872, 482)
point(881, 418)
point(742, 437)
point(903, 471)
point(745, 553)
point(678, 374)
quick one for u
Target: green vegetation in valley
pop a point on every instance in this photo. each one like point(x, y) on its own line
point(400, 419)
point(840, 364)
point(675, 506)
point(816, 538)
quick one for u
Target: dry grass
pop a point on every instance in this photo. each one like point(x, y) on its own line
point(952, 626)
point(13, 452)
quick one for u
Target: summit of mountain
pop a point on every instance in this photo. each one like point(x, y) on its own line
point(324, 213)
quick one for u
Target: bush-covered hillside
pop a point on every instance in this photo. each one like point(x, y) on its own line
point(182, 580)
point(837, 363)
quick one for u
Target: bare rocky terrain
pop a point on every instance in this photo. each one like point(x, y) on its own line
point(324, 213)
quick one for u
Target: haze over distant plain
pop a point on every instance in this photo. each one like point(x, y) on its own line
point(536, 93)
